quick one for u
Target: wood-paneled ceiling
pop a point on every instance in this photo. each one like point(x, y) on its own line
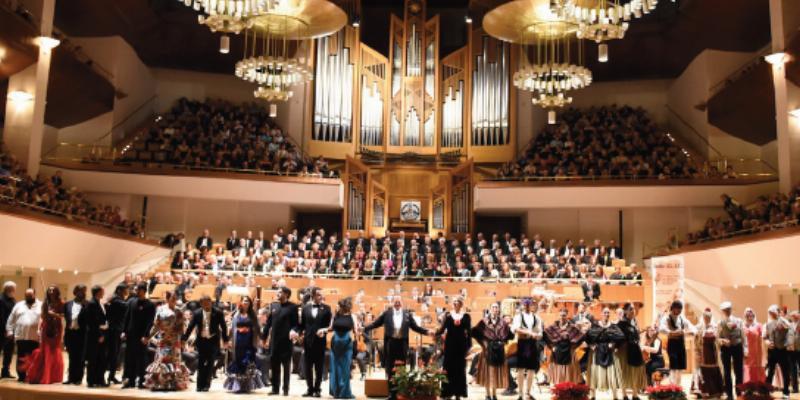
point(165, 33)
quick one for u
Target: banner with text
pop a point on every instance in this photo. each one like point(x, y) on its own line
point(667, 273)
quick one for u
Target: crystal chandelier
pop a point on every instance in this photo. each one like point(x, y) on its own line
point(602, 20)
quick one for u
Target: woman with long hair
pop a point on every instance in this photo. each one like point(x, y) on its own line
point(651, 346)
point(244, 376)
point(46, 364)
point(344, 325)
point(456, 325)
point(167, 372)
point(492, 333)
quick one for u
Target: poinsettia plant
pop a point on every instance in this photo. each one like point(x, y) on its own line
point(420, 383)
point(755, 390)
point(570, 391)
point(666, 392)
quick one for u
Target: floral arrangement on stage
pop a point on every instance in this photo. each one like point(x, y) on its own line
point(570, 391)
point(418, 384)
point(755, 390)
point(666, 392)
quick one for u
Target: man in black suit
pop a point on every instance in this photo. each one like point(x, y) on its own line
point(590, 288)
point(210, 324)
point(115, 313)
point(96, 334)
point(138, 321)
point(232, 242)
point(204, 241)
point(7, 302)
point(613, 250)
point(315, 316)
point(279, 332)
point(396, 322)
point(75, 335)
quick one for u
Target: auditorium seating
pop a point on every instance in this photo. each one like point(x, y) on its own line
point(767, 213)
point(609, 142)
point(49, 195)
point(217, 135)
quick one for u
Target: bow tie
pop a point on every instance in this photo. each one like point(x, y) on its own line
point(316, 305)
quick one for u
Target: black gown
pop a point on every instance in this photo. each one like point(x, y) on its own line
point(456, 346)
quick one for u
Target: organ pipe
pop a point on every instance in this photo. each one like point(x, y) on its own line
point(333, 109)
point(490, 100)
point(452, 117)
point(371, 114)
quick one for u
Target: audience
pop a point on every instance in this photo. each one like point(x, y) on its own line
point(414, 256)
point(607, 142)
point(766, 213)
point(51, 196)
point(216, 134)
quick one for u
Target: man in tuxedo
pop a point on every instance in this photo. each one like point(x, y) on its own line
point(96, 335)
point(396, 322)
point(210, 324)
point(138, 321)
point(279, 332)
point(613, 250)
point(205, 241)
point(232, 242)
point(115, 313)
point(75, 335)
point(315, 316)
point(590, 288)
point(7, 302)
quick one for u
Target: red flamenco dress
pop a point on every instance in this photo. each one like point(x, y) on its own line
point(46, 364)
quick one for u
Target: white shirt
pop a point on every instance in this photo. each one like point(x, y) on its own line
point(23, 322)
point(206, 332)
point(314, 310)
point(397, 319)
point(76, 311)
point(528, 319)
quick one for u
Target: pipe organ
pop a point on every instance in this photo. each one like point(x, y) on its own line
point(453, 95)
point(490, 93)
point(438, 214)
point(333, 96)
point(374, 97)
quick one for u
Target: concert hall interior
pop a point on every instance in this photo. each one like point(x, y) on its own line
point(402, 199)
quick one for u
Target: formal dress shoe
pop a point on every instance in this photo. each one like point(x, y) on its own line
point(274, 393)
point(308, 394)
point(285, 392)
point(67, 383)
point(317, 394)
point(7, 375)
point(113, 381)
point(128, 386)
point(141, 386)
point(103, 385)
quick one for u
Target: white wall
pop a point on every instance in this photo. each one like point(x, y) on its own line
point(172, 84)
point(191, 216)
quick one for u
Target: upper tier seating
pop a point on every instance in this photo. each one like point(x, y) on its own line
point(608, 142)
point(767, 213)
point(219, 135)
point(50, 196)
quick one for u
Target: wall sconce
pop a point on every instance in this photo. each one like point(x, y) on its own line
point(778, 59)
point(795, 113)
point(19, 96)
point(46, 43)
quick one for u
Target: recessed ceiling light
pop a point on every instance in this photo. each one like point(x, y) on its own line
point(19, 96)
point(778, 58)
point(47, 43)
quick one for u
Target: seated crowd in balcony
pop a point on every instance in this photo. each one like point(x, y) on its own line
point(412, 256)
point(765, 214)
point(49, 195)
point(608, 142)
point(217, 134)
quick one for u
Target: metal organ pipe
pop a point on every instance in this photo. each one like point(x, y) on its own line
point(490, 97)
point(333, 110)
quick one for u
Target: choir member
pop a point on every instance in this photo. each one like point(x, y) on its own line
point(281, 331)
point(709, 382)
point(456, 326)
point(563, 336)
point(632, 367)
point(733, 347)
point(492, 332)
point(676, 327)
point(529, 329)
point(604, 337)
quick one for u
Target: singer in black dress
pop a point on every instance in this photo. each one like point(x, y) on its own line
point(457, 342)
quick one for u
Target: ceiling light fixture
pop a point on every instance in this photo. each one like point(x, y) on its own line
point(356, 21)
point(19, 96)
point(468, 19)
point(777, 59)
point(46, 43)
point(224, 44)
point(602, 52)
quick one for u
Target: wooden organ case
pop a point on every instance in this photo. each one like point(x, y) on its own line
point(379, 111)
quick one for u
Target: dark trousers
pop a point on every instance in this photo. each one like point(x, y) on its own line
point(794, 365)
point(732, 356)
point(7, 347)
point(276, 364)
point(135, 360)
point(314, 365)
point(113, 348)
point(96, 361)
point(207, 350)
point(24, 350)
point(395, 351)
point(779, 358)
point(75, 342)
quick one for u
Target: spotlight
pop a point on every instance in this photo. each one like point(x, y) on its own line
point(777, 59)
point(46, 43)
point(795, 113)
point(468, 19)
point(19, 96)
point(356, 21)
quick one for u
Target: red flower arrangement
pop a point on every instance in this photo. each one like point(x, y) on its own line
point(666, 392)
point(570, 391)
point(755, 390)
